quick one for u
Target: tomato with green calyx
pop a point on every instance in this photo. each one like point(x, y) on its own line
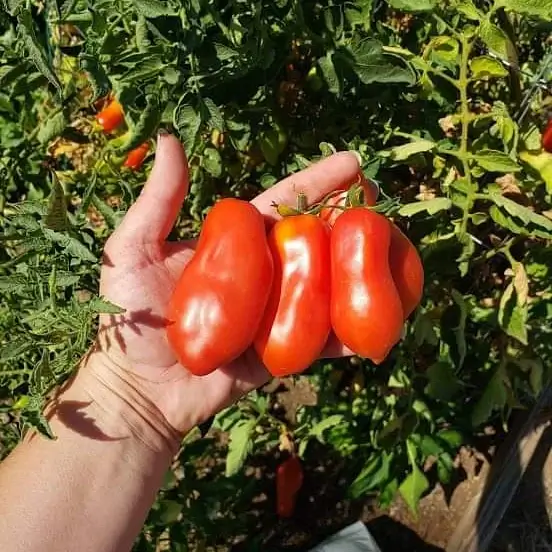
point(219, 300)
point(366, 309)
point(407, 270)
point(289, 480)
point(296, 322)
point(135, 158)
point(111, 116)
point(547, 137)
point(332, 208)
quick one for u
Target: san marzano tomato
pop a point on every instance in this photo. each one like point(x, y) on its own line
point(366, 310)
point(221, 295)
point(407, 270)
point(289, 480)
point(136, 157)
point(547, 137)
point(111, 116)
point(296, 323)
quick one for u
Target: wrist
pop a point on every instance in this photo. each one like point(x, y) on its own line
point(104, 402)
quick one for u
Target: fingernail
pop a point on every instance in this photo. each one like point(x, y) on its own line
point(162, 132)
point(357, 155)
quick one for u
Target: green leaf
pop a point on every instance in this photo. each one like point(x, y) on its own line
point(404, 151)
point(52, 127)
point(169, 511)
point(212, 162)
point(494, 398)
point(484, 67)
point(431, 206)
point(453, 328)
point(146, 126)
point(542, 163)
point(35, 50)
point(497, 42)
point(329, 73)
point(239, 446)
point(152, 8)
point(536, 8)
point(519, 219)
point(187, 120)
point(97, 74)
point(444, 50)
point(413, 487)
point(512, 316)
point(495, 161)
point(442, 382)
point(318, 429)
point(71, 245)
point(468, 9)
point(100, 305)
point(215, 119)
point(413, 5)
point(367, 59)
point(56, 217)
point(373, 475)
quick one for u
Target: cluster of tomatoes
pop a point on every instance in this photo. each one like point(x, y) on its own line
point(110, 118)
point(333, 270)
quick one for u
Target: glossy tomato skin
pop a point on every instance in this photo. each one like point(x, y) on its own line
point(135, 157)
point(369, 189)
point(289, 480)
point(407, 270)
point(366, 310)
point(296, 323)
point(222, 293)
point(547, 137)
point(111, 116)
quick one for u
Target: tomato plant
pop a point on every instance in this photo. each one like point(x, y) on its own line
point(444, 102)
point(296, 323)
point(220, 298)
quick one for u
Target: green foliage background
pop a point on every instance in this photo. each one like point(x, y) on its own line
point(439, 99)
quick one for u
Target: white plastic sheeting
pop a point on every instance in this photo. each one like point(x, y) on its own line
point(354, 538)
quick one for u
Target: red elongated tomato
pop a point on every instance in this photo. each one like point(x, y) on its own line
point(330, 213)
point(407, 270)
point(366, 310)
point(547, 137)
point(220, 298)
point(289, 480)
point(136, 157)
point(296, 323)
point(111, 116)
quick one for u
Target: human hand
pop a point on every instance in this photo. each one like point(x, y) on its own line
point(140, 271)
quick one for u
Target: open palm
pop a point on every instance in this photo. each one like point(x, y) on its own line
point(140, 271)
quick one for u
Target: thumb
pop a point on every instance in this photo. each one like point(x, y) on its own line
point(154, 213)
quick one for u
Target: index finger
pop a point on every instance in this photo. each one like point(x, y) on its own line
point(317, 181)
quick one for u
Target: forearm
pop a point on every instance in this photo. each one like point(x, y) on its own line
point(91, 488)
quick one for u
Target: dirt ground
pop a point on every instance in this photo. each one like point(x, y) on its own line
point(323, 510)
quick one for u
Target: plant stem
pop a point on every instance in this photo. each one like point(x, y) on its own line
point(465, 117)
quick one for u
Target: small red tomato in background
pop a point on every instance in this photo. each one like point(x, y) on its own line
point(296, 323)
point(330, 213)
point(289, 480)
point(547, 137)
point(135, 157)
point(220, 298)
point(366, 310)
point(407, 270)
point(111, 116)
